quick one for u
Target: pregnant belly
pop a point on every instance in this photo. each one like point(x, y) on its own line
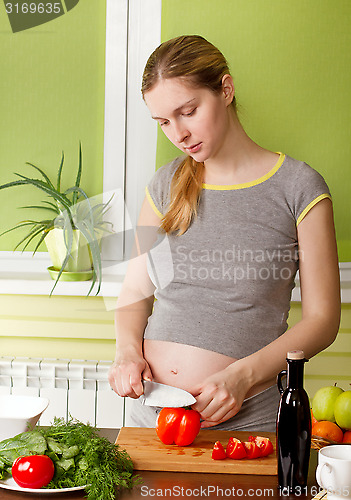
point(187, 366)
point(182, 365)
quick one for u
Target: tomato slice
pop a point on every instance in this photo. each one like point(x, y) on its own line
point(218, 452)
point(34, 471)
point(235, 449)
point(252, 450)
point(264, 444)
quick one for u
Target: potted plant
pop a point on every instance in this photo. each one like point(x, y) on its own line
point(72, 230)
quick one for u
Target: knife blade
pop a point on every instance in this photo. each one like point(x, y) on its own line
point(156, 394)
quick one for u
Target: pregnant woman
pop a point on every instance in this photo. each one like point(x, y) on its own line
point(222, 232)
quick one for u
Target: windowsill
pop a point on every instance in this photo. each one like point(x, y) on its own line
point(24, 274)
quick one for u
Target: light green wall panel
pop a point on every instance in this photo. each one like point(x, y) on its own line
point(52, 96)
point(291, 63)
point(57, 348)
point(333, 365)
point(56, 327)
point(341, 346)
point(345, 322)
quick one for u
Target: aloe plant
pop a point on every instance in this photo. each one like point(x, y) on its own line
point(70, 209)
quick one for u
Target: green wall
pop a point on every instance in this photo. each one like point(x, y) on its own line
point(291, 63)
point(52, 96)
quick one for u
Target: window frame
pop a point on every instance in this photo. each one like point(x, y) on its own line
point(133, 142)
point(133, 30)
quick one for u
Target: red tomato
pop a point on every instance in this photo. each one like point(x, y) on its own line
point(264, 444)
point(235, 449)
point(177, 425)
point(34, 471)
point(252, 450)
point(218, 452)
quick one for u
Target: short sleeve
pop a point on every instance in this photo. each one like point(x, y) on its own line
point(309, 189)
point(158, 189)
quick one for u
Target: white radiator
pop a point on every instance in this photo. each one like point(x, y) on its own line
point(75, 388)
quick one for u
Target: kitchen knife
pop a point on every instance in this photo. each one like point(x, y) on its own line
point(156, 394)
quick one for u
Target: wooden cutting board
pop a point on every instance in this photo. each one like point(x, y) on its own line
point(149, 453)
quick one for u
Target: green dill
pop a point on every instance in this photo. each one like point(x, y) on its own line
point(81, 457)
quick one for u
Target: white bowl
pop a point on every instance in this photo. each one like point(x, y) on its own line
point(19, 414)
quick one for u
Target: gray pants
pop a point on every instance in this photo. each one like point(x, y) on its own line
point(258, 413)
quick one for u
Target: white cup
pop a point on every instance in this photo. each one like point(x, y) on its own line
point(334, 471)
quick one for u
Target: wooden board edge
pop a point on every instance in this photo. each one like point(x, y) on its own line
point(258, 471)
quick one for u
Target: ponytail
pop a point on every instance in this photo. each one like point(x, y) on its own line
point(185, 193)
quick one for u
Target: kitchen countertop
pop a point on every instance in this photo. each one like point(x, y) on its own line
point(191, 485)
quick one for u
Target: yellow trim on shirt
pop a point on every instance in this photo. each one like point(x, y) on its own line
point(311, 205)
point(153, 206)
point(248, 184)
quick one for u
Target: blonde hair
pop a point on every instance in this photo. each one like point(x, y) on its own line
point(203, 65)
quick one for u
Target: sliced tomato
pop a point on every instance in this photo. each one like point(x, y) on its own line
point(235, 449)
point(264, 444)
point(218, 452)
point(252, 450)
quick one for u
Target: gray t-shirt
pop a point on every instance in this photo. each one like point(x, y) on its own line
point(225, 285)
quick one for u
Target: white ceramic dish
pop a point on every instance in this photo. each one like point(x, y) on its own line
point(10, 484)
point(19, 414)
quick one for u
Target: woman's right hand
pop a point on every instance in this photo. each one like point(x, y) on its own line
point(128, 371)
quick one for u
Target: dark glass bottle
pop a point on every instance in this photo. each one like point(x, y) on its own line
point(293, 427)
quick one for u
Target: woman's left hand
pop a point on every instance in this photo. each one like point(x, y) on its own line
point(220, 396)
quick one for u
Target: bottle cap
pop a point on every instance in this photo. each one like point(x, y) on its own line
point(295, 355)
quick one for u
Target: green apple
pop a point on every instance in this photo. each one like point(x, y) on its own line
point(342, 410)
point(323, 402)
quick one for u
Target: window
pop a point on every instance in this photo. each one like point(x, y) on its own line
point(132, 31)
